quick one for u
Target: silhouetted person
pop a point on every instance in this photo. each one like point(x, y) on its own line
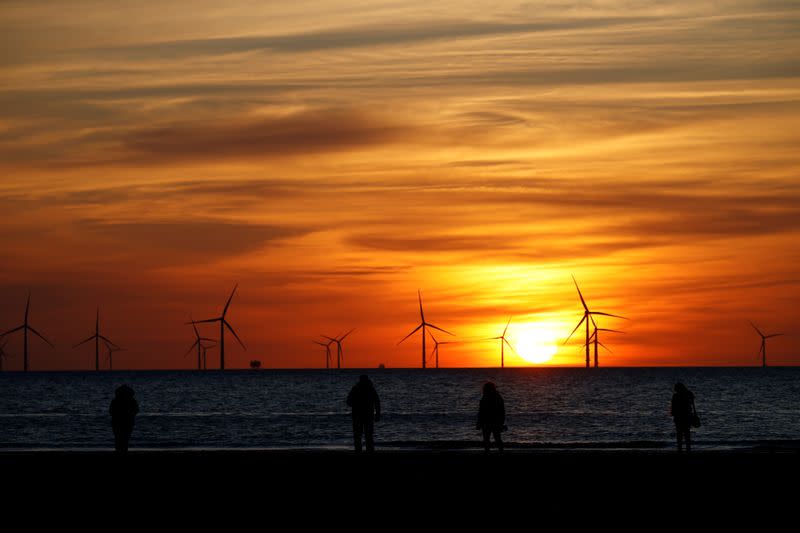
point(366, 409)
point(682, 409)
point(123, 412)
point(491, 416)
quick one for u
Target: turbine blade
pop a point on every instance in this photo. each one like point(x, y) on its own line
point(229, 301)
point(320, 343)
point(440, 329)
point(234, 333)
point(583, 302)
point(194, 326)
point(611, 330)
point(576, 328)
point(757, 330)
point(330, 339)
point(407, 336)
point(204, 321)
point(346, 334)
point(607, 314)
point(510, 346)
point(109, 341)
point(12, 330)
point(421, 314)
point(110, 347)
point(84, 341)
point(41, 337)
point(773, 335)
point(507, 323)
point(207, 339)
point(604, 346)
point(191, 348)
point(432, 337)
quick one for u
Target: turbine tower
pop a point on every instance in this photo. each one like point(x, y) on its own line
point(586, 316)
point(597, 340)
point(111, 349)
point(25, 327)
point(338, 341)
point(3, 353)
point(205, 352)
point(423, 325)
point(96, 338)
point(198, 343)
point(223, 323)
point(503, 342)
point(327, 346)
point(435, 351)
point(763, 349)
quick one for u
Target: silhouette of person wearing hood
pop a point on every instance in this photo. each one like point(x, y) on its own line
point(682, 409)
point(366, 409)
point(123, 411)
point(491, 416)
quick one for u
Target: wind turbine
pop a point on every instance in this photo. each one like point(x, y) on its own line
point(503, 342)
point(435, 351)
point(111, 349)
point(327, 346)
point(25, 327)
point(96, 338)
point(763, 349)
point(223, 323)
point(3, 354)
point(597, 340)
point(198, 343)
point(338, 341)
point(586, 316)
point(423, 325)
point(205, 350)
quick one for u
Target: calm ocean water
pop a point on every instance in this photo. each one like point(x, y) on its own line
point(611, 407)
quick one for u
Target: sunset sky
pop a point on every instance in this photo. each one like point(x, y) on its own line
point(333, 157)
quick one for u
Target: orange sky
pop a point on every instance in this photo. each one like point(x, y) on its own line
point(333, 158)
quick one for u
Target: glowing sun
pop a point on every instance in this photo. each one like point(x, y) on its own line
point(536, 343)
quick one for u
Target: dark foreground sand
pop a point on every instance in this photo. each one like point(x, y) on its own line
point(391, 490)
point(455, 469)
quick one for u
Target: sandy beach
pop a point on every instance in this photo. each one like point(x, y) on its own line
point(409, 488)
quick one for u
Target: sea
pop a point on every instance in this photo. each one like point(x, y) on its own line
point(548, 408)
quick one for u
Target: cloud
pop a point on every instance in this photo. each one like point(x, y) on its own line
point(355, 37)
point(179, 242)
point(295, 134)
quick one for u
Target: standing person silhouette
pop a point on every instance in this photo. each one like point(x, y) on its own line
point(123, 412)
point(491, 416)
point(366, 409)
point(681, 409)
